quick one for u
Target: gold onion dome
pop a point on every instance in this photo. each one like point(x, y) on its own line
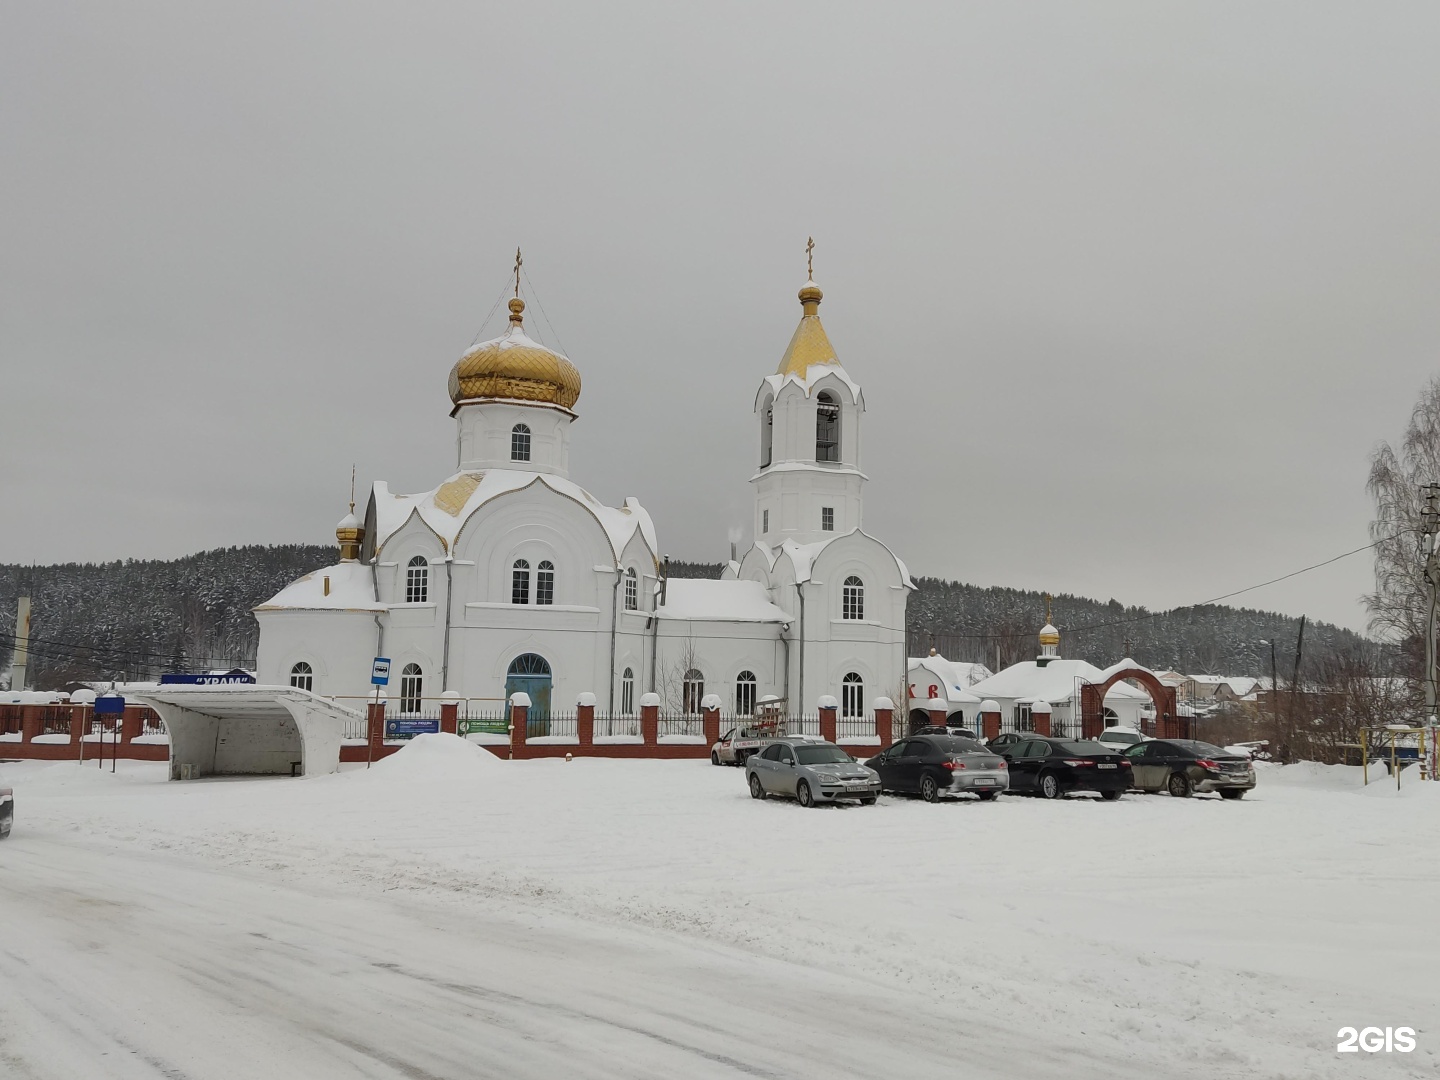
point(1049, 635)
point(810, 345)
point(516, 368)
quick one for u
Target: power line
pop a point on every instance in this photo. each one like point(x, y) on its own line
point(1170, 611)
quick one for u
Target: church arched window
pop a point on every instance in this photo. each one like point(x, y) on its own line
point(632, 590)
point(302, 676)
point(694, 690)
point(412, 682)
point(545, 583)
point(827, 427)
point(852, 598)
point(520, 443)
point(417, 580)
point(520, 582)
point(767, 432)
point(745, 694)
point(852, 695)
point(627, 691)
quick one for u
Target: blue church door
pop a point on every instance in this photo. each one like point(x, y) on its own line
point(530, 674)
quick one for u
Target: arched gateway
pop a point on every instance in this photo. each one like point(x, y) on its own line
point(1168, 723)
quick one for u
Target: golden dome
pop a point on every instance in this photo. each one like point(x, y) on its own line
point(516, 368)
point(810, 345)
point(1049, 635)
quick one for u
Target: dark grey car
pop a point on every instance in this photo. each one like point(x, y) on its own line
point(810, 772)
point(7, 811)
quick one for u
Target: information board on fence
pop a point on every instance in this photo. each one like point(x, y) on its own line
point(408, 729)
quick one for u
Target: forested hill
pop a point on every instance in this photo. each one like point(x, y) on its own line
point(138, 618)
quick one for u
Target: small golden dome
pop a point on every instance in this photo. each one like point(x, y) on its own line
point(1049, 635)
point(516, 368)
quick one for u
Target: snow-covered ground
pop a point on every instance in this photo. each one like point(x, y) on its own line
point(446, 914)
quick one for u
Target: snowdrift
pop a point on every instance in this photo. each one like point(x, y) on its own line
point(439, 757)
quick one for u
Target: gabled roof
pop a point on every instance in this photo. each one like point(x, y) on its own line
point(351, 588)
point(954, 676)
point(803, 556)
point(446, 509)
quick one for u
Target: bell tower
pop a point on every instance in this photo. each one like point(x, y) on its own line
point(808, 484)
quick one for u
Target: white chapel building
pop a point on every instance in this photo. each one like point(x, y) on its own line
point(509, 576)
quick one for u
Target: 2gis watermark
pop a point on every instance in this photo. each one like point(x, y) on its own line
point(1375, 1040)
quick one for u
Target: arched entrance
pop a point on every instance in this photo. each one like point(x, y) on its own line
point(1168, 723)
point(529, 674)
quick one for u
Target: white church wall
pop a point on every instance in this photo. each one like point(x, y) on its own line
point(338, 646)
point(483, 437)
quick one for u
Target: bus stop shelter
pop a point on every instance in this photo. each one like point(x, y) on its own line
point(248, 730)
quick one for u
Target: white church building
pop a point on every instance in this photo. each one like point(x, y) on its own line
point(509, 576)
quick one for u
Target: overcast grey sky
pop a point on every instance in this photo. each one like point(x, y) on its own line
point(1133, 288)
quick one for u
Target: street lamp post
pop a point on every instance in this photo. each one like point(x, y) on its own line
point(1274, 688)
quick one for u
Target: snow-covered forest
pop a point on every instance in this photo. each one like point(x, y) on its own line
point(138, 618)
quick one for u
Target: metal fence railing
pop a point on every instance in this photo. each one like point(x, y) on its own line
point(681, 724)
point(855, 727)
point(610, 726)
point(556, 725)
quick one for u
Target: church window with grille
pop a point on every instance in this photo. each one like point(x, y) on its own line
point(745, 694)
point(694, 690)
point(545, 583)
point(627, 691)
point(852, 695)
point(520, 582)
point(520, 443)
point(767, 434)
point(417, 580)
point(632, 590)
point(302, 676)
point(827, 519)
point(412, 683)
point(852, 598)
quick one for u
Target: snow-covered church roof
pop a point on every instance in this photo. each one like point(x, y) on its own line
point(804, 556)
point(446, 509)
point(1055, 682)
point(702, 599)
point(346, 586)
point(954, 676)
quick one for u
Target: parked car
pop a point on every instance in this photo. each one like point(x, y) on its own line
point(1009, 738)
point(962, 732)
point(1051, 767)
point(7, 811)
point(811, 772)
point(935, 765)
point(1121, 738)
point(737, 744)
point(1183, 766)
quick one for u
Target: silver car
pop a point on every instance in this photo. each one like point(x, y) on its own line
point(810, 772)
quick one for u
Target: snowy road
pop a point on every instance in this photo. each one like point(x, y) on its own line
point(434, 920)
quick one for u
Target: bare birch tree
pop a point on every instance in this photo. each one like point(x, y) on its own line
point(1397, 606)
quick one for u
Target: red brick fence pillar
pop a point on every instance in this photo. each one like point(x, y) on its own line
point(585, 718)
point(829, 709)
point(710, 712)
point(884, 720)
point(936, 708)
point(450, 712)
point(519, 722)
point(1040, 717)
point(989, 719)
point(31, 722)
point(650, 719)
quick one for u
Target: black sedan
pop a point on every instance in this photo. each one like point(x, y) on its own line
point(1051, 768)
point(934, 765)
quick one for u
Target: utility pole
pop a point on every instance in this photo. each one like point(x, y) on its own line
point(21, 658)
point(1274, 689)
